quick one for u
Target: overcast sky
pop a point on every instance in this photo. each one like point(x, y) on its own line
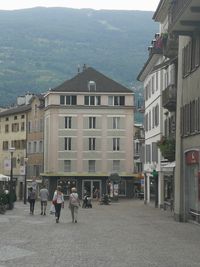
point(94, 4)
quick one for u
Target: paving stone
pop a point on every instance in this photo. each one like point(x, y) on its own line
point(11, 252)
point(126, 234)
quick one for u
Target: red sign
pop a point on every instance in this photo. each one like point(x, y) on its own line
point(199, 186)
point(192, 157)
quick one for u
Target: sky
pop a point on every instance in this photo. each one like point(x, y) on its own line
point(94, 4)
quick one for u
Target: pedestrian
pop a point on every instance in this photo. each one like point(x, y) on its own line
point(58, 201)
point(74, 204)
point(44, 194)
point(31, 199)
point(97, 194)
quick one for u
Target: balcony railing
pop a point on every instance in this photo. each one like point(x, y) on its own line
point(169, 98)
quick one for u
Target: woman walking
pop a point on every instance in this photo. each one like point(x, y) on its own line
point(74, 203)
point(58, 201)
point(31, 199)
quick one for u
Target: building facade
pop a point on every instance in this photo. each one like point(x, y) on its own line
point(35, 140)
point(13, 135)
point(88, 135)
point(159, 76)
point(184, 22)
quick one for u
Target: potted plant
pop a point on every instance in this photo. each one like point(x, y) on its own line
point(167, 147)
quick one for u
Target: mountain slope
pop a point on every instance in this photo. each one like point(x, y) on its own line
point(42, 47)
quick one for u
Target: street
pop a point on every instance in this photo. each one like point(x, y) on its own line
point(124, 234)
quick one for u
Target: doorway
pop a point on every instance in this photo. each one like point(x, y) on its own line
point(89, 187)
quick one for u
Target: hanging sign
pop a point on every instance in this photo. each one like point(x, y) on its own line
point(192, 157)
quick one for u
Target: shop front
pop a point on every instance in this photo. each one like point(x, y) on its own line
point(86, 184)
point(192, 188)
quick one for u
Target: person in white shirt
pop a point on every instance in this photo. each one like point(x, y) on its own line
point(58, 201)
point(74, 203)
point(44, 194)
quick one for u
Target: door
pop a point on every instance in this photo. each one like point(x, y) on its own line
point(89, 187)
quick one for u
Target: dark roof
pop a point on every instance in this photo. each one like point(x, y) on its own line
point(79, 83)
point(15, 110)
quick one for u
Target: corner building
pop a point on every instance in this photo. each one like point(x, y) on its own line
point(88, 135)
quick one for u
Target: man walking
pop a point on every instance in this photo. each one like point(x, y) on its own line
point(44, 194)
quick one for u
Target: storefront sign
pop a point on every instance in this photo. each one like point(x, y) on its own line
point(192, 157)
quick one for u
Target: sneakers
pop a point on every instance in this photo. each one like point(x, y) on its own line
point(44, 213)
point(75, 221)
point(57, 221)
point(41, 213)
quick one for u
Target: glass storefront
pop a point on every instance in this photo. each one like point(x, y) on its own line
point(66, 185)
point(192, 185)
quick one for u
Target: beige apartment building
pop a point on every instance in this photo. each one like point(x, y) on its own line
point(88, 135)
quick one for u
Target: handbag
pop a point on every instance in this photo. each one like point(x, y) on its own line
point(54, 202)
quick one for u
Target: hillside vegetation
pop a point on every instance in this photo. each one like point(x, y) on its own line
point(42, 47)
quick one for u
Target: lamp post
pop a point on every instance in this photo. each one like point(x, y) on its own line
point(11, 197)
point(25, 180)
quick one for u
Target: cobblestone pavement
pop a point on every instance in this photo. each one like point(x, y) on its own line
point(123, 234)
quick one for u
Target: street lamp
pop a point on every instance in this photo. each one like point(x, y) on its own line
point(11, 196)
point(25, 180)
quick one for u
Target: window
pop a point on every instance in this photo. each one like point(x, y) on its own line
point(92, 100)
point(41, 146)
point(116, 165)
point(68, 100)
point(91, 86)
point(116, 100)
point(15, 117)
point(91, 164)
point(29, 127)
point(68, 122)
point(156, 120)
point(150, 120)
point(62, 99)
point(152, 84)
point(156, 81)
point(22, 116)
point(5, 145)
point(67, 165)
point(154, 152)
point(34, 147)
point(92, 142)
point(116, 144)
point(7, 119)
point(148, 153)
point(68, 143)
point(116, 121)
point(6, 128)
point(15, 127)
point(92, 122)
point(29, 147)
point(22, 126)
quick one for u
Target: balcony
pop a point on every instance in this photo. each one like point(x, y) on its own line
point(169, 98)
point(170, 46)
point(184, 16)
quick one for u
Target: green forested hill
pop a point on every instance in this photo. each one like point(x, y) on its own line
point(42, 47)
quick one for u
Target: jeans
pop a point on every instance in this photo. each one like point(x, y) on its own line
point(58, 209)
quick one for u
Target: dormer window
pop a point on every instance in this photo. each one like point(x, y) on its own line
point(92, 86)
